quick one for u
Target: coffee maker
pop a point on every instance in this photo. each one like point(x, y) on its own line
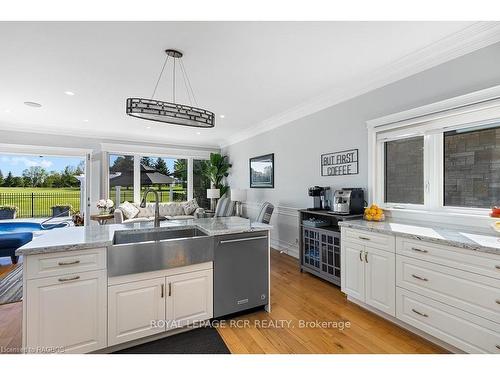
point(348, 201)
point(319, 201)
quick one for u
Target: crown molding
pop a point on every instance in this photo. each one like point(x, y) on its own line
point(467, 40)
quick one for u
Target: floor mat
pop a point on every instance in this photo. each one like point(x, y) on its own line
point(198, 341)
point(11, 286)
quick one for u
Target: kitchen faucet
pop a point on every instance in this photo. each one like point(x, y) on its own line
point(157, 205)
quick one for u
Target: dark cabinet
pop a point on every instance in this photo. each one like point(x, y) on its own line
point(321, 252)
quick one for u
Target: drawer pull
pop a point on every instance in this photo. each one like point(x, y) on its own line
point(498, 347)
point(419, 277)
point(361, 255)
point(243, 239)
point(497, 266)
point(498, 301)
point(364, 238)
point(62, 279)
point(68, 263)
point(419, 250)
point(419, 313)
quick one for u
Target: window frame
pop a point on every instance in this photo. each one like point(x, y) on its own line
point(432, 121)
point(146, 151)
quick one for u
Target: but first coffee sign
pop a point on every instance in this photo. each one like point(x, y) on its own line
point(340, 163)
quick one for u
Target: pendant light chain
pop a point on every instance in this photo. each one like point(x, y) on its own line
point(159, 78)
point(173, 84)
point(183, 68)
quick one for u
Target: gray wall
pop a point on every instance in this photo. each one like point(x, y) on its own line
point(298, 145)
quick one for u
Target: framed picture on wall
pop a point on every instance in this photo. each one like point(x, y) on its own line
point(262, 171)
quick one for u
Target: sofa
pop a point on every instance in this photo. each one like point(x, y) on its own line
point(170, 210)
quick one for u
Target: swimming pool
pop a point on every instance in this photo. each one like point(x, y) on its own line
point(13, 235)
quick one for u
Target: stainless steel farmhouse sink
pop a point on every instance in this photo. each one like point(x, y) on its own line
point(135, 251)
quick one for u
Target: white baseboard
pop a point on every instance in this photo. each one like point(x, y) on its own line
point(286, 247)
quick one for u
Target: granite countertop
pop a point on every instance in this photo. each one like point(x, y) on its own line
point(465, 237)
point(80, 238)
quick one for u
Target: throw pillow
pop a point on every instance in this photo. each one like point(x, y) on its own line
point(190, 206)
point(129, 210)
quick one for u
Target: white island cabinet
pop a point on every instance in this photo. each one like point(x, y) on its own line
point(142, 305)
point(447, 294)
point(66, 311)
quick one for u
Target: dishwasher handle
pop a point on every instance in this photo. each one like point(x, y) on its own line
point(243, 239)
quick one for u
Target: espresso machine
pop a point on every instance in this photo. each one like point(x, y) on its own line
point(349, 201)
point(319, 195)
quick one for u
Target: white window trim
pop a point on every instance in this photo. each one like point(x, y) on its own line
point(467, 111)
point(141, 151)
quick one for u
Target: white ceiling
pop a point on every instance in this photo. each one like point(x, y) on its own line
point(247, 71)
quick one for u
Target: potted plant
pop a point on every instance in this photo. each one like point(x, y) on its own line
point(64, 209)
point(216, 169)
point(8, 212)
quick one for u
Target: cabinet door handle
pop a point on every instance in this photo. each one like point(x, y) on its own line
point(419, 313)
point(62, 279)
point(243, 239)
point(366, 256)
point(68, 263)
point(498, 347)
point(364, 238)
point(169, 289)
point(498, 301)
point(419, 277)
point(497, 266)
point(419, 250)
point(162, 290)
point(361, 255)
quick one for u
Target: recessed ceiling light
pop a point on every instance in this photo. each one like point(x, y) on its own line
point(33, 104)
point(222, 116)
point(148, 127)
point(198, 133)
point(85, 120)
point(7, 111)
point(69, 93)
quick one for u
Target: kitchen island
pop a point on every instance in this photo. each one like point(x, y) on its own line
point(104, 288)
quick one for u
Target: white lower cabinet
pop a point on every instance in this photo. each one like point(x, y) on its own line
point(66, 313)
point(190, 298)
point(142, 308)
point(449, 293)
point(380, 280)
point(134, 308)
point(368, 273)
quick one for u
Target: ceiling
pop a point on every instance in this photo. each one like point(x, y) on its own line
point(247, 71)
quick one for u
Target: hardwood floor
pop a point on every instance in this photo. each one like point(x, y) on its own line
point(299, 296)
point(295, 296)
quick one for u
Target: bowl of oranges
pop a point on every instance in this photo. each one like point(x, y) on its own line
point(374, 213)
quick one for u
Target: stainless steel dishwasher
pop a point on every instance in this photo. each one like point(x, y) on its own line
point(241, 272)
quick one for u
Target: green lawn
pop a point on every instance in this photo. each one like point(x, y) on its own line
point(37, 202)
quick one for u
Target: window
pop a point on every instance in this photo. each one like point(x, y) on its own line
point(200, 184)
point(168, 176)
point(121, 178)
point(472, 167)
point(442, 158)
point(404, 171)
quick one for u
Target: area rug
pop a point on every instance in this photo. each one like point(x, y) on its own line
point(11, 286)
point(198, 341)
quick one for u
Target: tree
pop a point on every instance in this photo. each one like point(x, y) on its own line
point(9, 180)
point(147, 161)
point(122, 164)
point(1, 178)
point(180, 169)
point(17, 181)
point(35, 175)
point(161, 166)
